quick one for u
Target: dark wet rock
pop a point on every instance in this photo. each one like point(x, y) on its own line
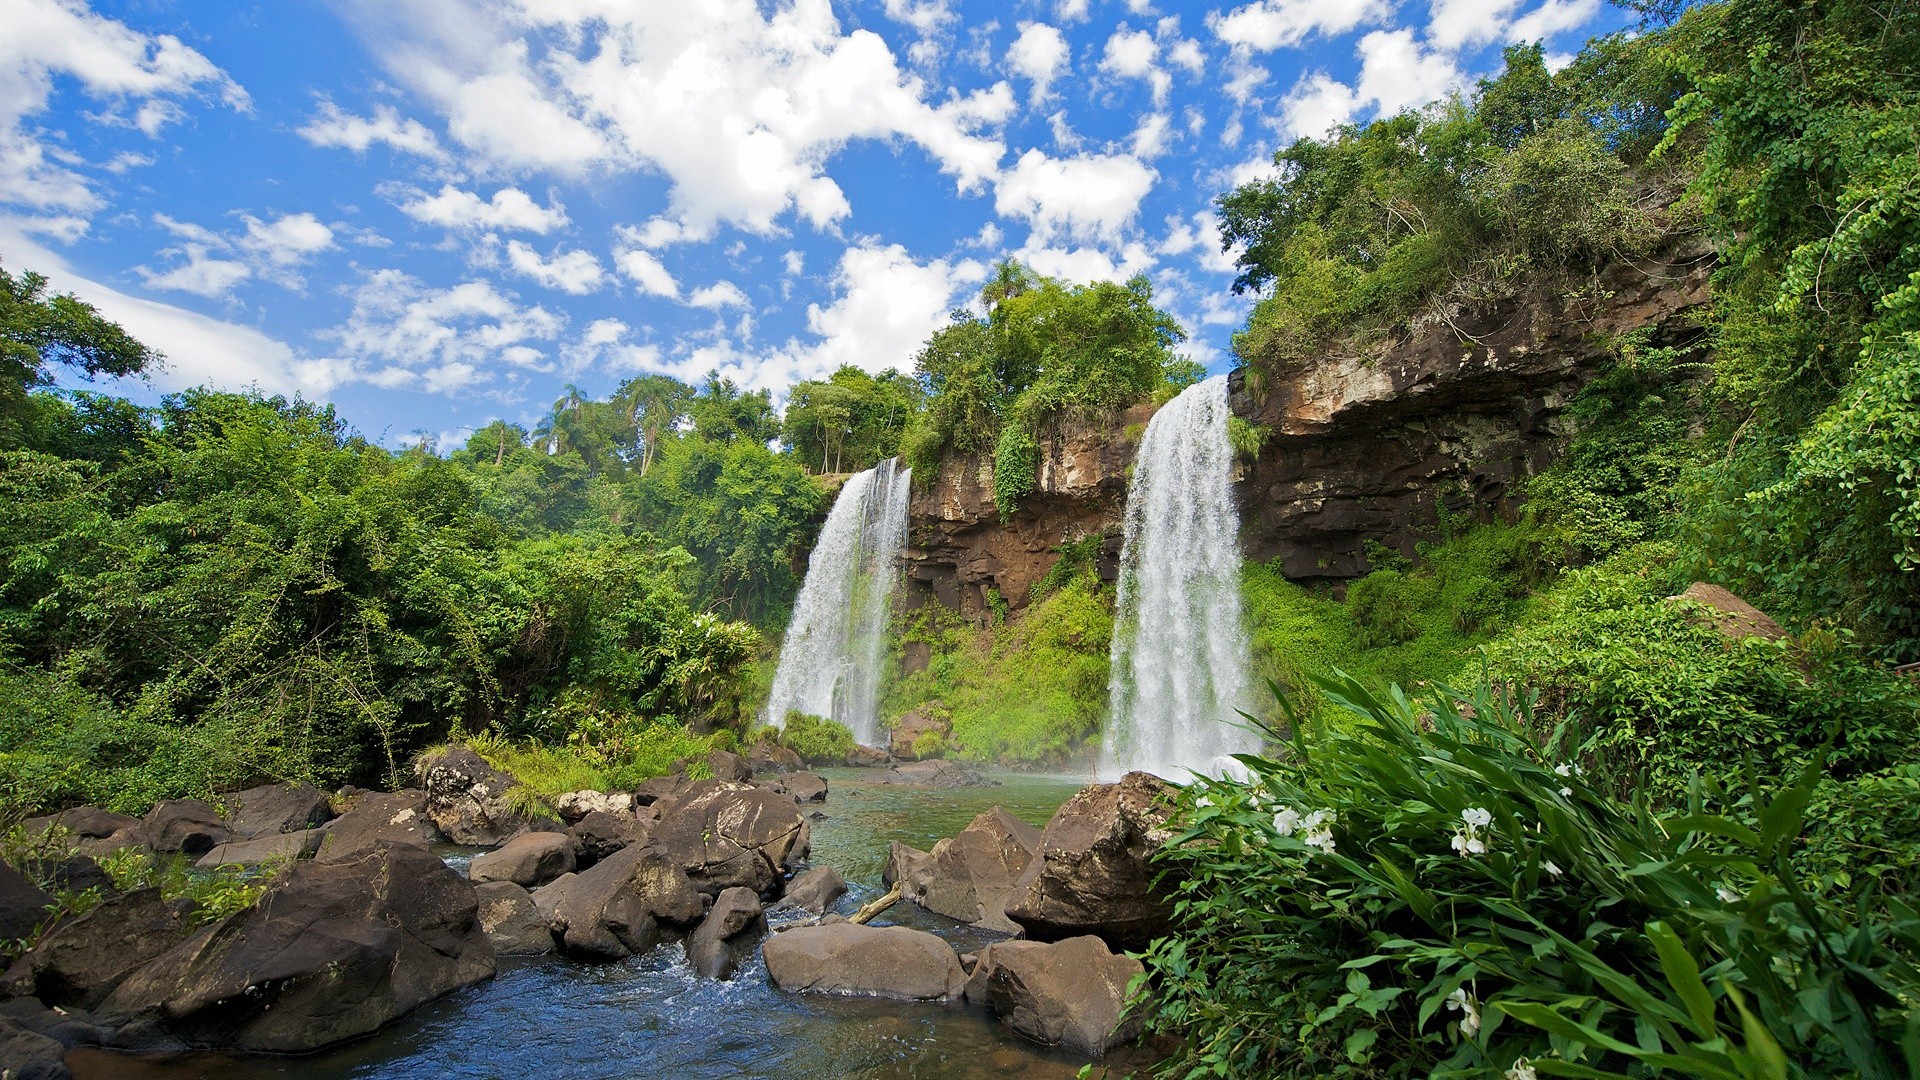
point(723, 765)
point(867, 757)
point(512, 920)
point(935, 774)
point(29, 1055)
point(547, 897)
point(1094, 873)
point(69, 1027)
point(601, 833)
point(725, 834)
point(378, 817)
point(81, 960)
point(915, 726)
point(84, 822)
point(615, 909)
point(188, 826)
point(806, 786)
point(23, 905)
point(332, 951)
point(279, 808)
point(467, 798)
point(657, 788)
point(877, 961)
point(528, 860)
point(813, 889)
point(974, 871)
point(771, 757)
point(716, 946)
point(273, 847)
point(575, 805)
point(71, 873)
point(1071, 993)
point(909, 868)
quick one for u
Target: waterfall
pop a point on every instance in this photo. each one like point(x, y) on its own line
point(830, 663)
point(1180, 652)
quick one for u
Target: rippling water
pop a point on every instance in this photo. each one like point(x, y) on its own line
point(649, 1017)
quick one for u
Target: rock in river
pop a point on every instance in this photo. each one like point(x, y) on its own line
point(873, 961)
point(1093, 874)
point(1071, 993)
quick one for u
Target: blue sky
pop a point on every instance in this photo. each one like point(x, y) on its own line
point(436, 213)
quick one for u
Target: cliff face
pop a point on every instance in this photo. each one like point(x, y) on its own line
point(1356, 447)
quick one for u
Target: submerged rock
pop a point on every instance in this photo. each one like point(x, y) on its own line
point(909, 868)
point(867, 757)
point(30, 1055)
point(23, 905)
point(615, 909)
point(602, 832)
point(1071, 993)
point(528, 860)
point(1093, 873)
point(813, 889)
point(188, 826)
point(936, 774)
point(575, 805)
point(872, 961)
point(724, 834)
point(714, 948)
point(283, 847)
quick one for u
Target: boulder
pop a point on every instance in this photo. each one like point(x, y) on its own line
point(657, 788)
point(188, 826)
point(1071, 993)
point(375, 818)
point(725, 834)
point(330, 952)
point(722, 765)
point(270, 848)
point(714, 948)
point(29, 1055)
point(867, 757)
point(812, 890)
point(974, 871)
point(547, 897)
point(279, 808)
point(1093, 873)
point(873, 961)
point(908, 867)
point(771, 757)
point(527, 860)
point(912, 727)
point(512, 920)
point(1736, 619)
point(84, 822)
point(467, 798)
point(805, 786)
point(23, 905)
point(935, 774)
point(574, 805)
point(68, 1027)
point(601, 833)
point(80, 961)
point(615, 909)
point(71, 873)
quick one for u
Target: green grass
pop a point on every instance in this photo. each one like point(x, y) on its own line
point(617, 756)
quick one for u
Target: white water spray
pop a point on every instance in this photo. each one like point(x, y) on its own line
point(1180, 653)
point(830, 663)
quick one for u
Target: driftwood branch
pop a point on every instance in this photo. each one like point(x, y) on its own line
point(877, 906)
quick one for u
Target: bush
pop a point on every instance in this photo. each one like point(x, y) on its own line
point(818, 740)
point(1428, 889)
point(1384, 605)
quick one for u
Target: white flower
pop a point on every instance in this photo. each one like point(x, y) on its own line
point(1286, 821)
point(1522, 1070)
point(1316, 830)
point(1566, 772)
point(1726, 895)
point(1468, 839)
point(1552, 871)
point(1321, 838)
point(1463, 1003)
point(1562, 771)
point(1476, 817)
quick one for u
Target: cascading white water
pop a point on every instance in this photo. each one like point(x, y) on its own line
point(1180, 652)
point(830, 663)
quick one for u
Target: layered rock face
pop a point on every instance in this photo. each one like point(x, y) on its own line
point(1357, 446)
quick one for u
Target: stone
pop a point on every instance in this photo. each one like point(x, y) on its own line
point(656, 788)
point(68, 1027)
point(974, 871)
point(84, 822)
point(867, 757)
point(724, 834)
point(714, 948)
point(1093, 873)
point(935, 774)
point(1071, 993)
point(528, 860)
point(81, 960)
point(279, 808)
point(908, 867)
point(330, 952)
point(29, 1055)
point(72, 873)
point(615, 909)
point(466, 798)
point(813, 889)
point(512, 920)
point(188, 826)
point(805, 786)
point(771, 757)
point(916, 725)
point(375, 818)
point(603, 832)
point(23, 905)
point(547, 897)
point(574, 805)
point(722, 765)
point(1736, 619)
point(871, 961)
point(270, 848)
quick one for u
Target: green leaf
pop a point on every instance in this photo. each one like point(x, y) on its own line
point(1683, 974)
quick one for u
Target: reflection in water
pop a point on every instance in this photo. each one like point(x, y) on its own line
point(649, 1017)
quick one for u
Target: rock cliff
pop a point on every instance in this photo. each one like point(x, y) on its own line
point(1357, 445)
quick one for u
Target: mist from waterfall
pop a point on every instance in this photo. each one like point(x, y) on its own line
point(1180, 654)
point(835, 648)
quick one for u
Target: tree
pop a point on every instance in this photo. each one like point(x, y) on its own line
point(653, 406)
point(851, 420)
point(38, 331)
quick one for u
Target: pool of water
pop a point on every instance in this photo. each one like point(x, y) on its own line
point(650, 1017)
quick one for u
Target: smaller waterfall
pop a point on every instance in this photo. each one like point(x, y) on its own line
point(1180, 653)
point(830, 663)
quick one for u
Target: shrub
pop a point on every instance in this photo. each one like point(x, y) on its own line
point(818, 740)
point(1430, 890)
point(1384, 605)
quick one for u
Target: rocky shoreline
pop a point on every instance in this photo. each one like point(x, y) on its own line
point(359, 923)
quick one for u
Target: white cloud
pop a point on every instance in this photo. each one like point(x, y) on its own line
point(509, 208)
point(212, 264)
point(1186, 53)
point(1396, 73)
point(1085, 263)
point(925, 16)
point(887, 306)
point(1317, 104)
point(1131, 54)
point(576, 272)
point(333, 127)
point(198, 272)
point(45, 39)
point(719, 295)
point(793, 262)
point(1459, 23)
point(1068, 11)
point(288, 239)
point(1089, 197)
point(1038, 55)
point(737, 104)
point(1265, 25)
point(1150, 139)
point(1552, 18)
point(646, 271)
point(443, 339)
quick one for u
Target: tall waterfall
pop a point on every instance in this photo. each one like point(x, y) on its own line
point(1180, 652)
point(830, 664)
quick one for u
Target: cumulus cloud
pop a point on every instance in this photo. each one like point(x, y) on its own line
point(331, 126)
point(1038, 55)
point(643, 268)
point(403, 332)
point(509, 208)
point(211, 264)
point(1132, 54)
point(575, 272)
point(1265, 25)
point(1396, 72)
point(720, 294)
point(1085, 198)
point(109, 61)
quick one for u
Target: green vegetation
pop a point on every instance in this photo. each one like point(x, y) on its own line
point(818, 740)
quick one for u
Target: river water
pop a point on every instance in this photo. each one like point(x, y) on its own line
point(650, 1017)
